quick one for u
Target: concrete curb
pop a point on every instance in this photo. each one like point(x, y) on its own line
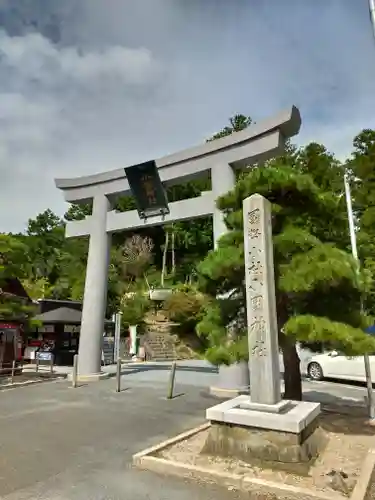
point(31, 382)
point(147, 460)
point(363, 485)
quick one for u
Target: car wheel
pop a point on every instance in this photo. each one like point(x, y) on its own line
point(315, 371)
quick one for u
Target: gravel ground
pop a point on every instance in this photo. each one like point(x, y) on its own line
point(349, 439)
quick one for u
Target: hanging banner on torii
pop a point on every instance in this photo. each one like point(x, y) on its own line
point(147, 189)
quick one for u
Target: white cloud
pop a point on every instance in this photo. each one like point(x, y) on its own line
point(146, 78)
point(34, 57)
point(50, 99)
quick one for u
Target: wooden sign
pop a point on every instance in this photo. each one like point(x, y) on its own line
point(108, 357)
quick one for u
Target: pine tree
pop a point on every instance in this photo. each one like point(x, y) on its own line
point(318, 286)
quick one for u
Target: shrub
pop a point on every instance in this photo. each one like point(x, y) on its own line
point(184, 307)
point(134, 309)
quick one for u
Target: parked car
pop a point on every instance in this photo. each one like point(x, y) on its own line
point(339, 366)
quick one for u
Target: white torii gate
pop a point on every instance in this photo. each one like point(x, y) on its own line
point(223, 157)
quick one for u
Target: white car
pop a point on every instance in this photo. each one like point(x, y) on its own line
point(339, 366)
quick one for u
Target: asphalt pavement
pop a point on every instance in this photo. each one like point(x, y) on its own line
point(59, 443)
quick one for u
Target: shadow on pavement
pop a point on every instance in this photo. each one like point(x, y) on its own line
point(327, 399)
point(341, 415)
point(352, 383)
point(128, 370)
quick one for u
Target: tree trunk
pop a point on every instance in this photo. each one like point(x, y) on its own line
point(147, 282)
point(292, 371)
point(173, 252)
point(164, 265)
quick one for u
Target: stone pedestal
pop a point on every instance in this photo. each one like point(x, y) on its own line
point(287, 433)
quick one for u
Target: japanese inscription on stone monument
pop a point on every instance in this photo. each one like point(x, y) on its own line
point(261, 301)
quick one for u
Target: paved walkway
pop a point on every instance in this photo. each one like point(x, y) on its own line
point(58, 443)
point(161, 368)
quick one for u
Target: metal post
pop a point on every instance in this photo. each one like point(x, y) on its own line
point(51, 364)
point(353, 243)
point(13, 370)
point(117, 335)
point(75, 371)
point(118, 375)
point(171, 380)
point(370, 395)
point(349, 207)
point(36, 363)
point(372, 14)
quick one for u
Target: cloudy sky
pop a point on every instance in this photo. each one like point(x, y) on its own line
point(91, 85)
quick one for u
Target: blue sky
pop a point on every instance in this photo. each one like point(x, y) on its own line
point(90, 85)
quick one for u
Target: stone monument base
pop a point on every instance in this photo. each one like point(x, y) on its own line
point(285, 433)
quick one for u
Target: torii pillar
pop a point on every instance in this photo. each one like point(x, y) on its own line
point(222, 157)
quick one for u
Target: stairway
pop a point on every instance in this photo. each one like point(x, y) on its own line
point(159, 348)
point(159, 343)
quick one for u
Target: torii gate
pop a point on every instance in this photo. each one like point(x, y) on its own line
point(223, 157)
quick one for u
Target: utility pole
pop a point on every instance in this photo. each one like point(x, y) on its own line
point(353, 244)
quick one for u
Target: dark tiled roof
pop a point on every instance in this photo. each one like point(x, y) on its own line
point(60, 315)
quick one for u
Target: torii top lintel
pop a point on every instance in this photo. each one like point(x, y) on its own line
point(258, 142)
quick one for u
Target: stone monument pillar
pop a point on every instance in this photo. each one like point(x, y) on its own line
point(264, 362)
point(263, 426)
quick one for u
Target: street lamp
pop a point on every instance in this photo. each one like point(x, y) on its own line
point(371, 4)
point(353, 244)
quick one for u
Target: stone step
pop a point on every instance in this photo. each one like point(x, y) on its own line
point(157, 349)
point(160, 348)
point(161, 353)
point(163, 358)
point(160, 338)
point(160, 343)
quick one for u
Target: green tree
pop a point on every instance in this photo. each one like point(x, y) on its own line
point(38, 289)
point(55, 266)
point(45, 240)
point(134, 308)
point(326, 171)
point(12, 253)
point(361, 167)
point(78, 211)
point(72, 269)
point(237, 123)
point(318, 288)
